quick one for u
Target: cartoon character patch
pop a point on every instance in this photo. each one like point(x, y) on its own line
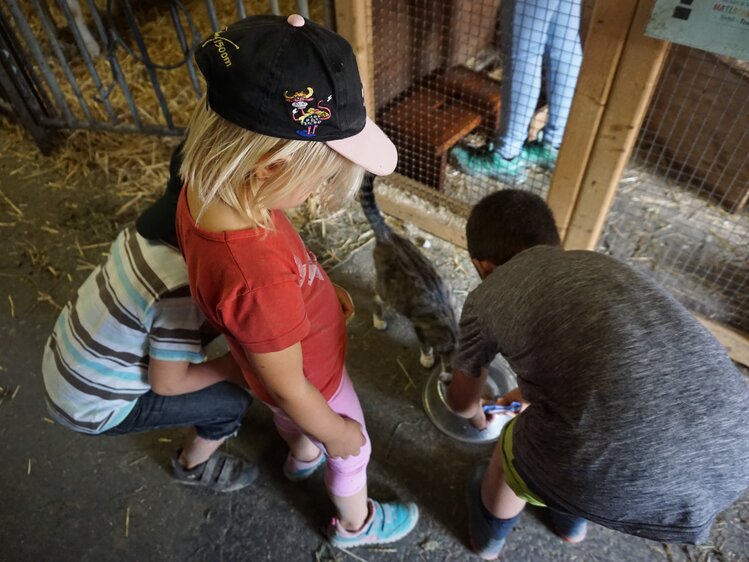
point(309, 117)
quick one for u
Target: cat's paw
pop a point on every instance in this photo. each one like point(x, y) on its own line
point(379, 323)
point(426, 359)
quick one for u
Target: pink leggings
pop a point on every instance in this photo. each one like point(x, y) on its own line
point(343, 477)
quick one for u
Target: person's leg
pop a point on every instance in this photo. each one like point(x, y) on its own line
point(497, 497)
point(361, 520)
point(570, 528)
point(524, 30)
point(214, 414)
point(564, 56)
point(197, 450)
point(305, 456)
point(493, 508)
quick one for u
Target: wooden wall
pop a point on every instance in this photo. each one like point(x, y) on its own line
point(697, 126)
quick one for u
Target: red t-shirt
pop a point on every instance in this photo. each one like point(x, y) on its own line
point(265, 291)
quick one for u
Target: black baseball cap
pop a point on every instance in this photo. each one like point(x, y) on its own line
point(294, 79)
point(158, 221)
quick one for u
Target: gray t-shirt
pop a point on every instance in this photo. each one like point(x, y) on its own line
point(638, 419)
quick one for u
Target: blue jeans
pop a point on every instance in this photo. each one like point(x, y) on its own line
point(216, 412)
point(534, 30)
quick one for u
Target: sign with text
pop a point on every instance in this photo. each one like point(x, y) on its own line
point(719, 27)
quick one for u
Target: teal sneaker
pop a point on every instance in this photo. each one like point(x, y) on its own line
point(490, 163)
point(387, 522)
point(296, 470)
point(541, 154)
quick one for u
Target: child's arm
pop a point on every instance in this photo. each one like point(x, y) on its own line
point(282, 375)
point(170, 378)
point(464, 396)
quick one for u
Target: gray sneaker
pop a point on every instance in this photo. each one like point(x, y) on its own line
point(222, 472)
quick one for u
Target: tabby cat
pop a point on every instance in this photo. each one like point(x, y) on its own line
point(407, 282)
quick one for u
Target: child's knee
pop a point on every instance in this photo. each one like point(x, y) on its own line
point(346, 476)
point(234, 400)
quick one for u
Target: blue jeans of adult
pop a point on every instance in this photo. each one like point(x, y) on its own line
point(534, 31)
point(216, 412)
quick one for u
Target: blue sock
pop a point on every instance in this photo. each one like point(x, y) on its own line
point(500, 527)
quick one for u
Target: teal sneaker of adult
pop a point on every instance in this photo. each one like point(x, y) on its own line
point(296, 470)
point(386, 523)
point(490, 163)
point(541, 154)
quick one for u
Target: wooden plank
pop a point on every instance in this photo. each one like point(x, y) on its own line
point(607, 33)
point(421, 216)
point(636, 77)
point(354, 22)
point(735, 341)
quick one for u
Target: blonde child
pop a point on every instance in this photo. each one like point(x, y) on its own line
point(284, 118)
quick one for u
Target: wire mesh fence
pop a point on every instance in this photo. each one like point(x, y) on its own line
point(476, 94)
point(678, 213)
point(466, 88)
point(122, 65)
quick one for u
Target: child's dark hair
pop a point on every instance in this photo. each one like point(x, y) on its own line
point(507, 222)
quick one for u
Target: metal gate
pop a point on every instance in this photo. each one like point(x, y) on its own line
point(116, 65)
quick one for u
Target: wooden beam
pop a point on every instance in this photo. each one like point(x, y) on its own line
point(421, 214)
point(634, 83)
point(354, 22)
point(610, 23)
point(735, 341)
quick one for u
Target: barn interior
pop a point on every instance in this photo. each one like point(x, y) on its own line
point(652, 170)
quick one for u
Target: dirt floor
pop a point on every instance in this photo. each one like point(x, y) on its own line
point(69, 497)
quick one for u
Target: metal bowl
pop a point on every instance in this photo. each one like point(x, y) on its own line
point(501, 380)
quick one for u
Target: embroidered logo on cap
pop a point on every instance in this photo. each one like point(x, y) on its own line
point(309, 117)
point(220, 44)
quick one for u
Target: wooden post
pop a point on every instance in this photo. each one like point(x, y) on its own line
point(354, 22)
point(735, 341)
point(635, 80)
point(610, 23)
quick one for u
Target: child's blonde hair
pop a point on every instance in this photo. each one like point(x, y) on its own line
point(220, 159)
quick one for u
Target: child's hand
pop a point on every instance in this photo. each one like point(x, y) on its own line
point(480, 420)
point(347, 304)
point(231, 369)
point(349, 442)
point(512, 396)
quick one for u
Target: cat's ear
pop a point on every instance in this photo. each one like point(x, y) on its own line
point(483, 267)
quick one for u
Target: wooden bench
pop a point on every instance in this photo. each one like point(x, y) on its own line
point(425, 126)
point(476, 90)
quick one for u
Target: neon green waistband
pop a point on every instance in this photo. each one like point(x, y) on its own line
point(511, 476)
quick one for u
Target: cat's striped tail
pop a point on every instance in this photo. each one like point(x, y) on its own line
point(371, 211)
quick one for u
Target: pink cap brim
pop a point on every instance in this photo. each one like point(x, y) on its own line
point(371, 149)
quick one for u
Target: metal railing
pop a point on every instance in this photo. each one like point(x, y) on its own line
point(115, 65)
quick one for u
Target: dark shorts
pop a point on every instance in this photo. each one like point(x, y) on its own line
point(216, 412)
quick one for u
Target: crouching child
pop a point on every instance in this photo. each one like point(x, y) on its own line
point(126, 355)
point(633, 415)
